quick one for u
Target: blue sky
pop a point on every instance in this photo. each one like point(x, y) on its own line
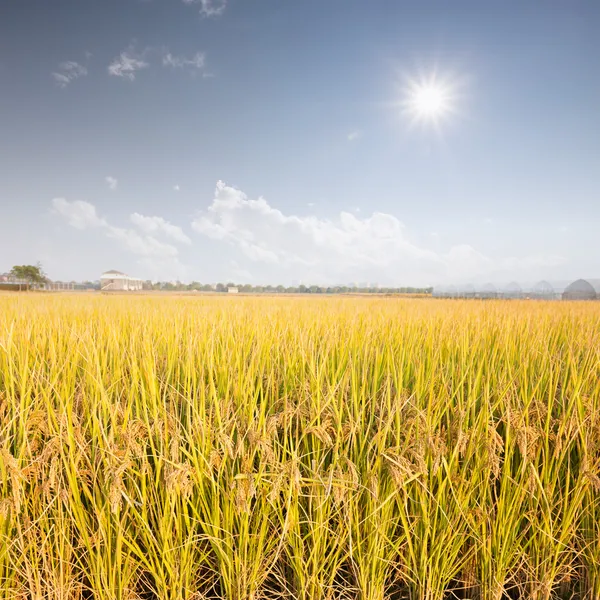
point(267, 141)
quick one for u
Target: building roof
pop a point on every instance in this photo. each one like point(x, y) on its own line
point(118, 275)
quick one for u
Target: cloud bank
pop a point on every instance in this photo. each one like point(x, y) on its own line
point(374, 248)
point(282, 248)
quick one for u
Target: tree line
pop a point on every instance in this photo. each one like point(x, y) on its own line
point(281, 289)
point(34, 275)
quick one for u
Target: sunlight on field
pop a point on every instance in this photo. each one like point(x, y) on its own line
point(243, 448)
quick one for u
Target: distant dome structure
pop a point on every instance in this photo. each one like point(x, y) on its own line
point(596, 285)
point(543, 289)
point(467, 290)
point(580, 290)
point(488, 291)
point(512, 290)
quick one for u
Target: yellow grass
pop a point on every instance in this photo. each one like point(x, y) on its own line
point(246, 448)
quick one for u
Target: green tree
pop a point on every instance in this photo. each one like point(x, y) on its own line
point(32, 274)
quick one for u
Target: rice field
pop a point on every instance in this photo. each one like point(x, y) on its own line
point(180, 448)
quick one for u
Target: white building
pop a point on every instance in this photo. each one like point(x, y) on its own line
point(117, 281)
point(232, 290)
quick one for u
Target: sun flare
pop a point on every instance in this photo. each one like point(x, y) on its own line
point(428, 100)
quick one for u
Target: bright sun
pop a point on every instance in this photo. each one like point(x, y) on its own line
point(428, 100)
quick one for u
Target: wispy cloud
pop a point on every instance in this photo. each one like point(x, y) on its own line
point(209, 8)
point(194, 64)
point(67, 72)
point(112, 183)
point(176, 188)
point(83, 215)
point(152, 225)
point(131, 61)
point(127, 64)
point(198, 61)
point(353, 136)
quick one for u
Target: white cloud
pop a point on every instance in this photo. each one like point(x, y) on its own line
point(83, 215)
point(371, 247)
point(111, 182)
point(79, 214)
point(142, 245)
point(127, 64)
point(67, 72)
point(209, 8)
point(176, 188)
point(198, 61)
point(159, 225)
point(353, 135)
